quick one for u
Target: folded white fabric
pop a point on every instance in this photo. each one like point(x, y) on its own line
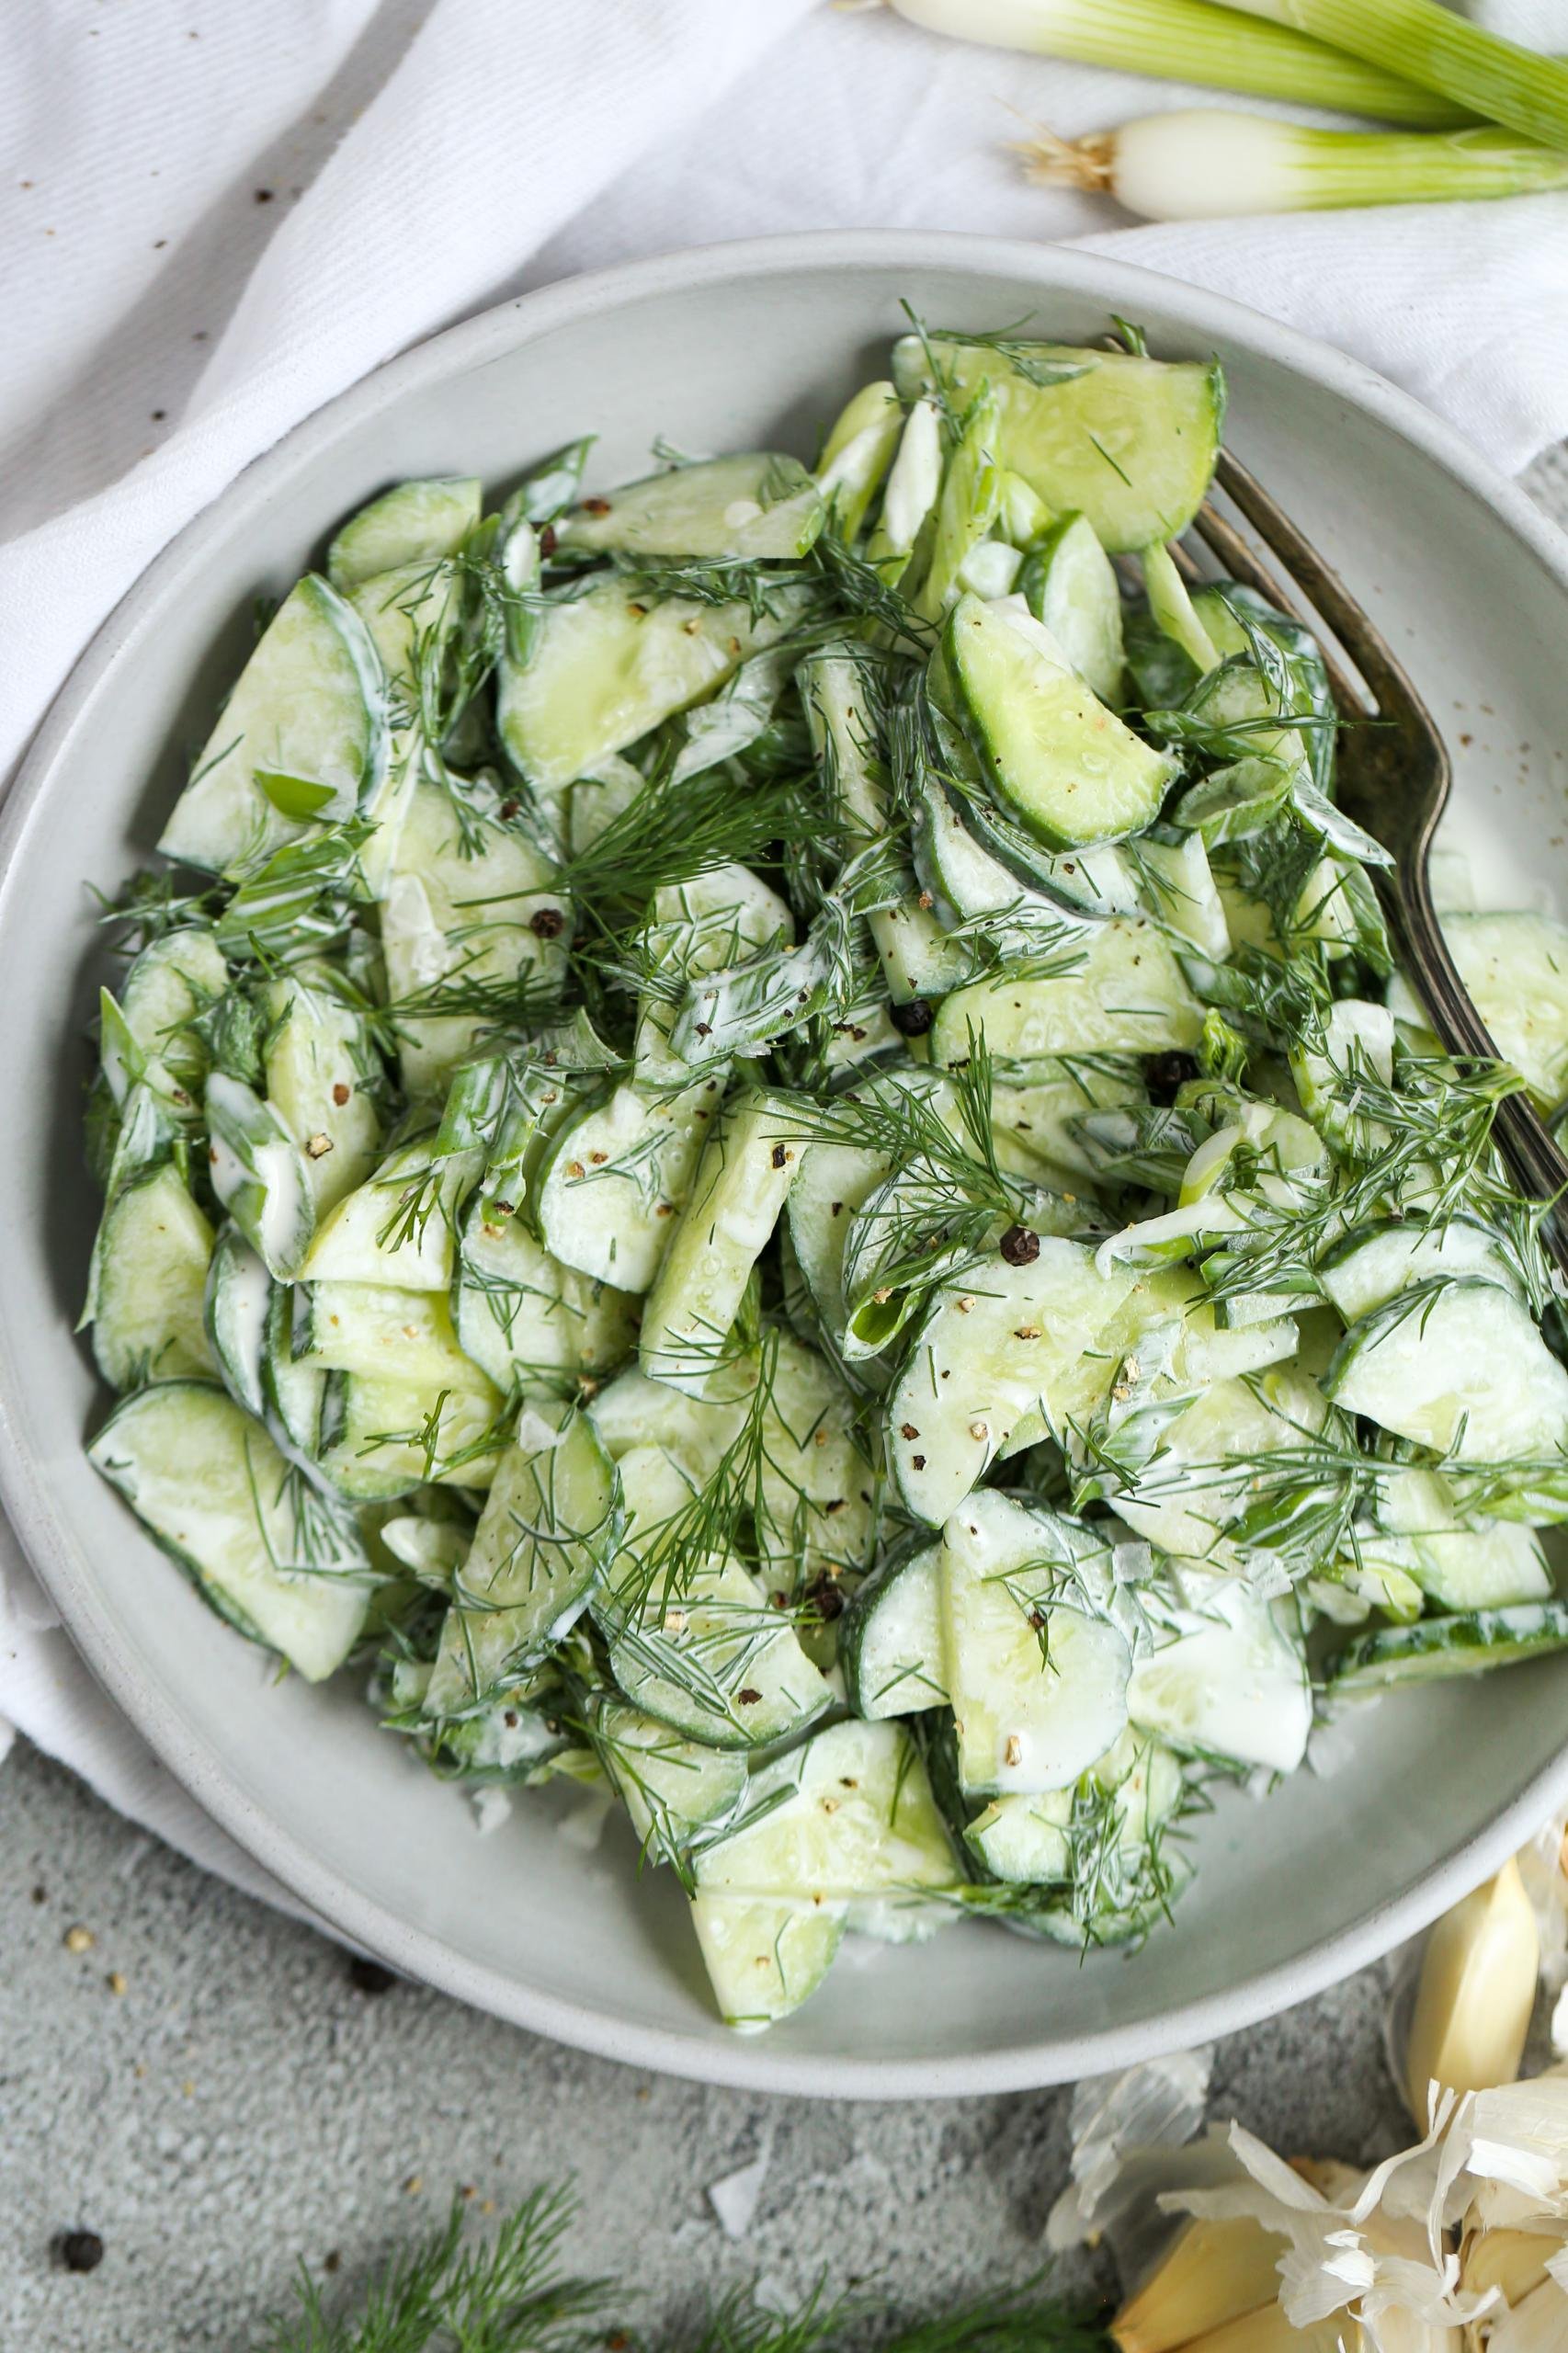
point(220, 217)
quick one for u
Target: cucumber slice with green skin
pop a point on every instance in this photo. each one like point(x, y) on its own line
point(303, 739)
point(398, 1229)
point(258, 1175)
point(890, 1638)
point(763, 1958)
point(1038, 1675)
point(633, 1414)
point(293, 1393)
point(1491, 1565)
point(1514, 970)
point(1224, 609)
point(1179, 888)
point(616, 1176)
point(1036, 1119)
point(1468, 1642)
point(527, 1322)
point(742, 1181)
point(171, 982)
point(1069, 583)
point(546, 1534)
point(820, 1497)
point(1459, 1366)
point(1056, 757)
point(320, 1075)
point(381, 1439)
point(830, 1183)
point(1201, 1480)
point(1374, 1263)
point(846, 1815)
point(1002, 1346)
point(281, 1563)
point(383, 1334)
point(715, 1661)
point(605, 667)
point(1129, 442)
point(1174, 611)
point(435, 1550)
point(149, 1271)
point(236, 1310)
point(1024, 1840)
point(758, 505)
point(416, 522)
point(1228, 1677)
point(1129, 997)
point(967, 506)
point(1095, 881)
point(674, 1790)
point(458, 931)
point(857, 453)
point(1330, 1065)
point(963, 876)
point(909, 501)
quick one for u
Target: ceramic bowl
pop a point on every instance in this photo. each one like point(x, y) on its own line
point(743, 346)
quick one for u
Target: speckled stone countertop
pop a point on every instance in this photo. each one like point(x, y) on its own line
point(206, 2087)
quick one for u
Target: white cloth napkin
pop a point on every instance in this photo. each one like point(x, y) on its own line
point(216, 216)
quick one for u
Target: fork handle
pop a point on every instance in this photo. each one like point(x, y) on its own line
point(1531, 1150)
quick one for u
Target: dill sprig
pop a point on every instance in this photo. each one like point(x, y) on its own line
point(671, 833)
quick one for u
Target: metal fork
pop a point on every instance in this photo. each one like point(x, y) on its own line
point(1395, 777)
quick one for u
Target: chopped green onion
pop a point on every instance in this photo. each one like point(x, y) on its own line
point(1189, 41)
point(1206, 163)
point(1427, 44)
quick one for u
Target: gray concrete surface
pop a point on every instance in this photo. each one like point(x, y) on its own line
point(206, 2088)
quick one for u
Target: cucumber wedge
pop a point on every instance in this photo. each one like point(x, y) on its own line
point(149, 1272)
point(1056, 757)
point(849, 1814)
point(527, 1322)
point(1129, 997)
point(1069, 584)
point(616, 1176)
point(1129, 442)
point(397, 1229)
point(1374, 1263)
point(546, 1536)
point(890, 1643)
point(605, 666)
point(1228, 1679)
point(1491, 1565)
point(740, 1186)
point(302, 741)
point(1037, 1675)
point(258, 1174)
point(321, 1081)
point(272, 1556)
point(757, 505)
point(674, 1790)
point(857, 453)
point(417, 522)
point(1459, 1366)
point(1469, 1642)
point(967, 506)
point(173, 981)
point(237, 1312)
point(384, 1334)
point(380, 1439)
point(1514, 970)
point(763, 1958)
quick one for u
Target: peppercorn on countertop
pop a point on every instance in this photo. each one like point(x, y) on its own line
point(202, 2090)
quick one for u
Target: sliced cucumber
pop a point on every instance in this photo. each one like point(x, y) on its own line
point(1200, 1480)
point(961, 874)
point(1514, 970)
point(237, 1310)
point(271, 1555)
point(966, 505)
point(1055, 756)
point(149, 1272)
point(616, 1177)
point(458, 929)
point(546, 1534)
point(1129, 997)
point(1037, 1110)
point(1036, 1672)
point(819, 1495)
point(700, 927)
point(634, 1412)
point(1025, 1839)
point(846, 1815)
point(380, 1439)
point(1228, 1678)
point(173, 981)
point(258, 1174)
point(747, 1167)
point(1374, 1263)
point(1459, 1366)
point(416, 522)
point(909, 501)
point(758, 505)
point(1000, 1345)
point(399, 1228)
point(1129, 442)
point(1466, 1644)
point(763, 1958)
point(302, 740)
point(1069, 583)
point(1180, 889)
point(890, 1639)
point(527, 1322)
point(1490, 1565)
point(715, 1661)
point(320, 1080)
point(294, 1391)
point(605, 666)
point(674, 1790)
point(830, 1183)
point(1333, 1065)
point(384, 1334)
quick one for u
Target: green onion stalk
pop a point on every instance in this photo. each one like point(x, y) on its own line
point(1425, 43)
point(1206, 163)
point(1191, 40)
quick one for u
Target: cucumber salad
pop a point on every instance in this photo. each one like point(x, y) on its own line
point(761, 1152)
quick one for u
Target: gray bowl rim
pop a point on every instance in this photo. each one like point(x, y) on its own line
point(739, 2063)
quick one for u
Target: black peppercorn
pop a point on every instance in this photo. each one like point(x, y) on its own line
point(1020, 1245)
point(1162, 1073)
point(79, 2250)
point(368, 1976)
point(547, 923)
point(910, 1020)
